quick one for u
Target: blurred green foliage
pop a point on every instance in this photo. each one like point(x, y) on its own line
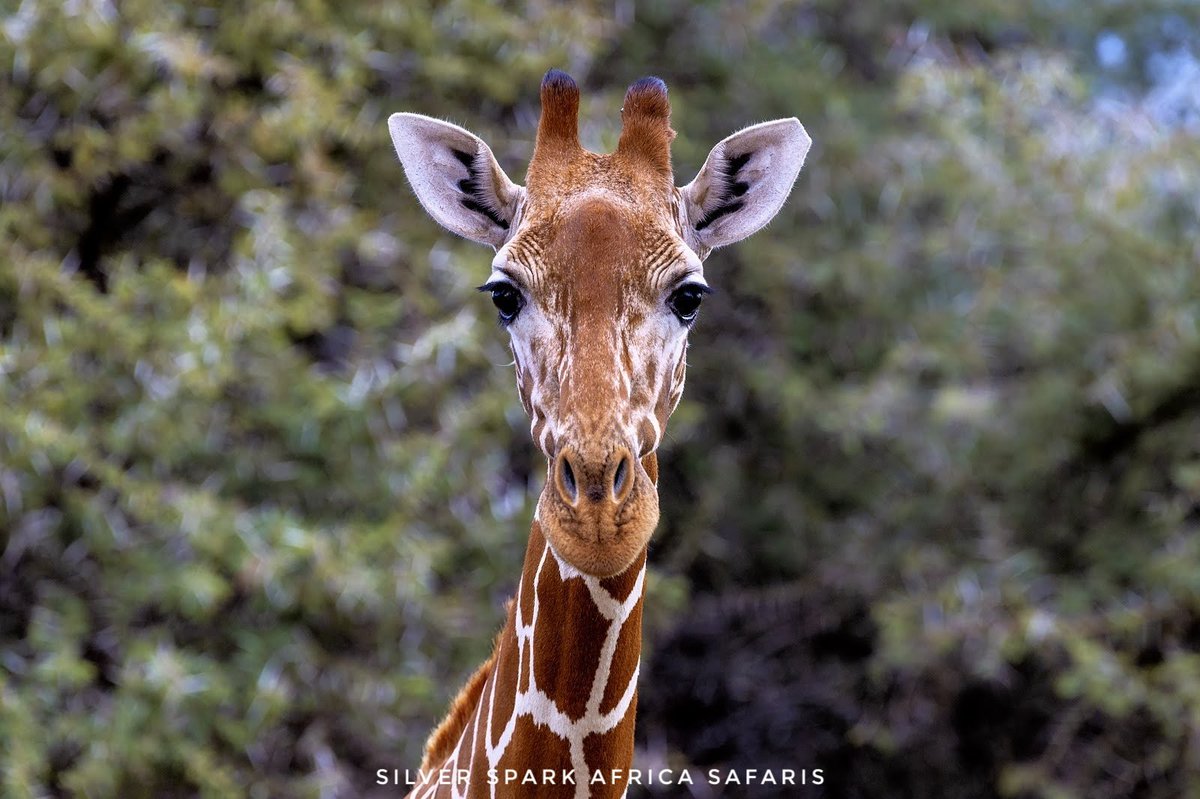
point(265, 483)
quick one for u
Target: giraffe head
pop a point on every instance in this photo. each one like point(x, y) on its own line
point(597, 278)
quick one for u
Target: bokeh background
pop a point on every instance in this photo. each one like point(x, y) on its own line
point(930, 504)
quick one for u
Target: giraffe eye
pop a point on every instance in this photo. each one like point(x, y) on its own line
point(506, 298)
point(685, 301)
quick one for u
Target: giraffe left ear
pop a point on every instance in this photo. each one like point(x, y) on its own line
point(456, 178)
point(744, 183)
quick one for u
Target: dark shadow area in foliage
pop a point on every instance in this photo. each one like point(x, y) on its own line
point(781, 679)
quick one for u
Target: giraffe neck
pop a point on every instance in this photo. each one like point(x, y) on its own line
point(559, 699)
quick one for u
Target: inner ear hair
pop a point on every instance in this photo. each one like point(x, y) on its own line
point(475, 196)
point(744, 182)
point(725, 196)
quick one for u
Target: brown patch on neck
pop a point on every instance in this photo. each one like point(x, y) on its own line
point(567, 639)
point(613, 750)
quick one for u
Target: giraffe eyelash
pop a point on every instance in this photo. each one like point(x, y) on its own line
point(507, 298)
point(685, 301)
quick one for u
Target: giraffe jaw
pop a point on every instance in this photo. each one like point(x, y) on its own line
point(595, 538)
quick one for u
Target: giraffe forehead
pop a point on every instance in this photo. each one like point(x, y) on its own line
point(597, 254)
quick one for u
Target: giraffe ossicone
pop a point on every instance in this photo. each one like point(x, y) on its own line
point(598, 276)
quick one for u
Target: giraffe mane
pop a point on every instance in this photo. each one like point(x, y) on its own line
point(445, 736)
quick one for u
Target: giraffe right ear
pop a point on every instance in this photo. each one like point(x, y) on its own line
point(456, 178)
point(743, 183)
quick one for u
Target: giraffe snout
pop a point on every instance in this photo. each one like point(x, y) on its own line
point(599, 506)
point(604, 480)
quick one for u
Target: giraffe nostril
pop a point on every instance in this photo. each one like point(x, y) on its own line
point(619, 477)
point(622, 481)
point(610, 480)
point(570, 489)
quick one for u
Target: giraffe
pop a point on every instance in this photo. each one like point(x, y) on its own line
point(597, 278)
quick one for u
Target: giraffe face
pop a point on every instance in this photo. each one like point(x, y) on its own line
point(597, 279)
point(597, 296)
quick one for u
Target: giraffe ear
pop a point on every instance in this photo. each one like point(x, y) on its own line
point(744, 182)
point(456, 178)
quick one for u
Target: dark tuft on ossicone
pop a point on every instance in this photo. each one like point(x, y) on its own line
point(558, 129)
point(647, 97)
point(646, 126)
point(558, 81)
point(560, 93)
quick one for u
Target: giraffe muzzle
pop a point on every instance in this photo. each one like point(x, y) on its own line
point(597, 481)
point(599, 507)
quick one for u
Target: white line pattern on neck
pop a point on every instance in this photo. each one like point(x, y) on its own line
point(534, 702)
